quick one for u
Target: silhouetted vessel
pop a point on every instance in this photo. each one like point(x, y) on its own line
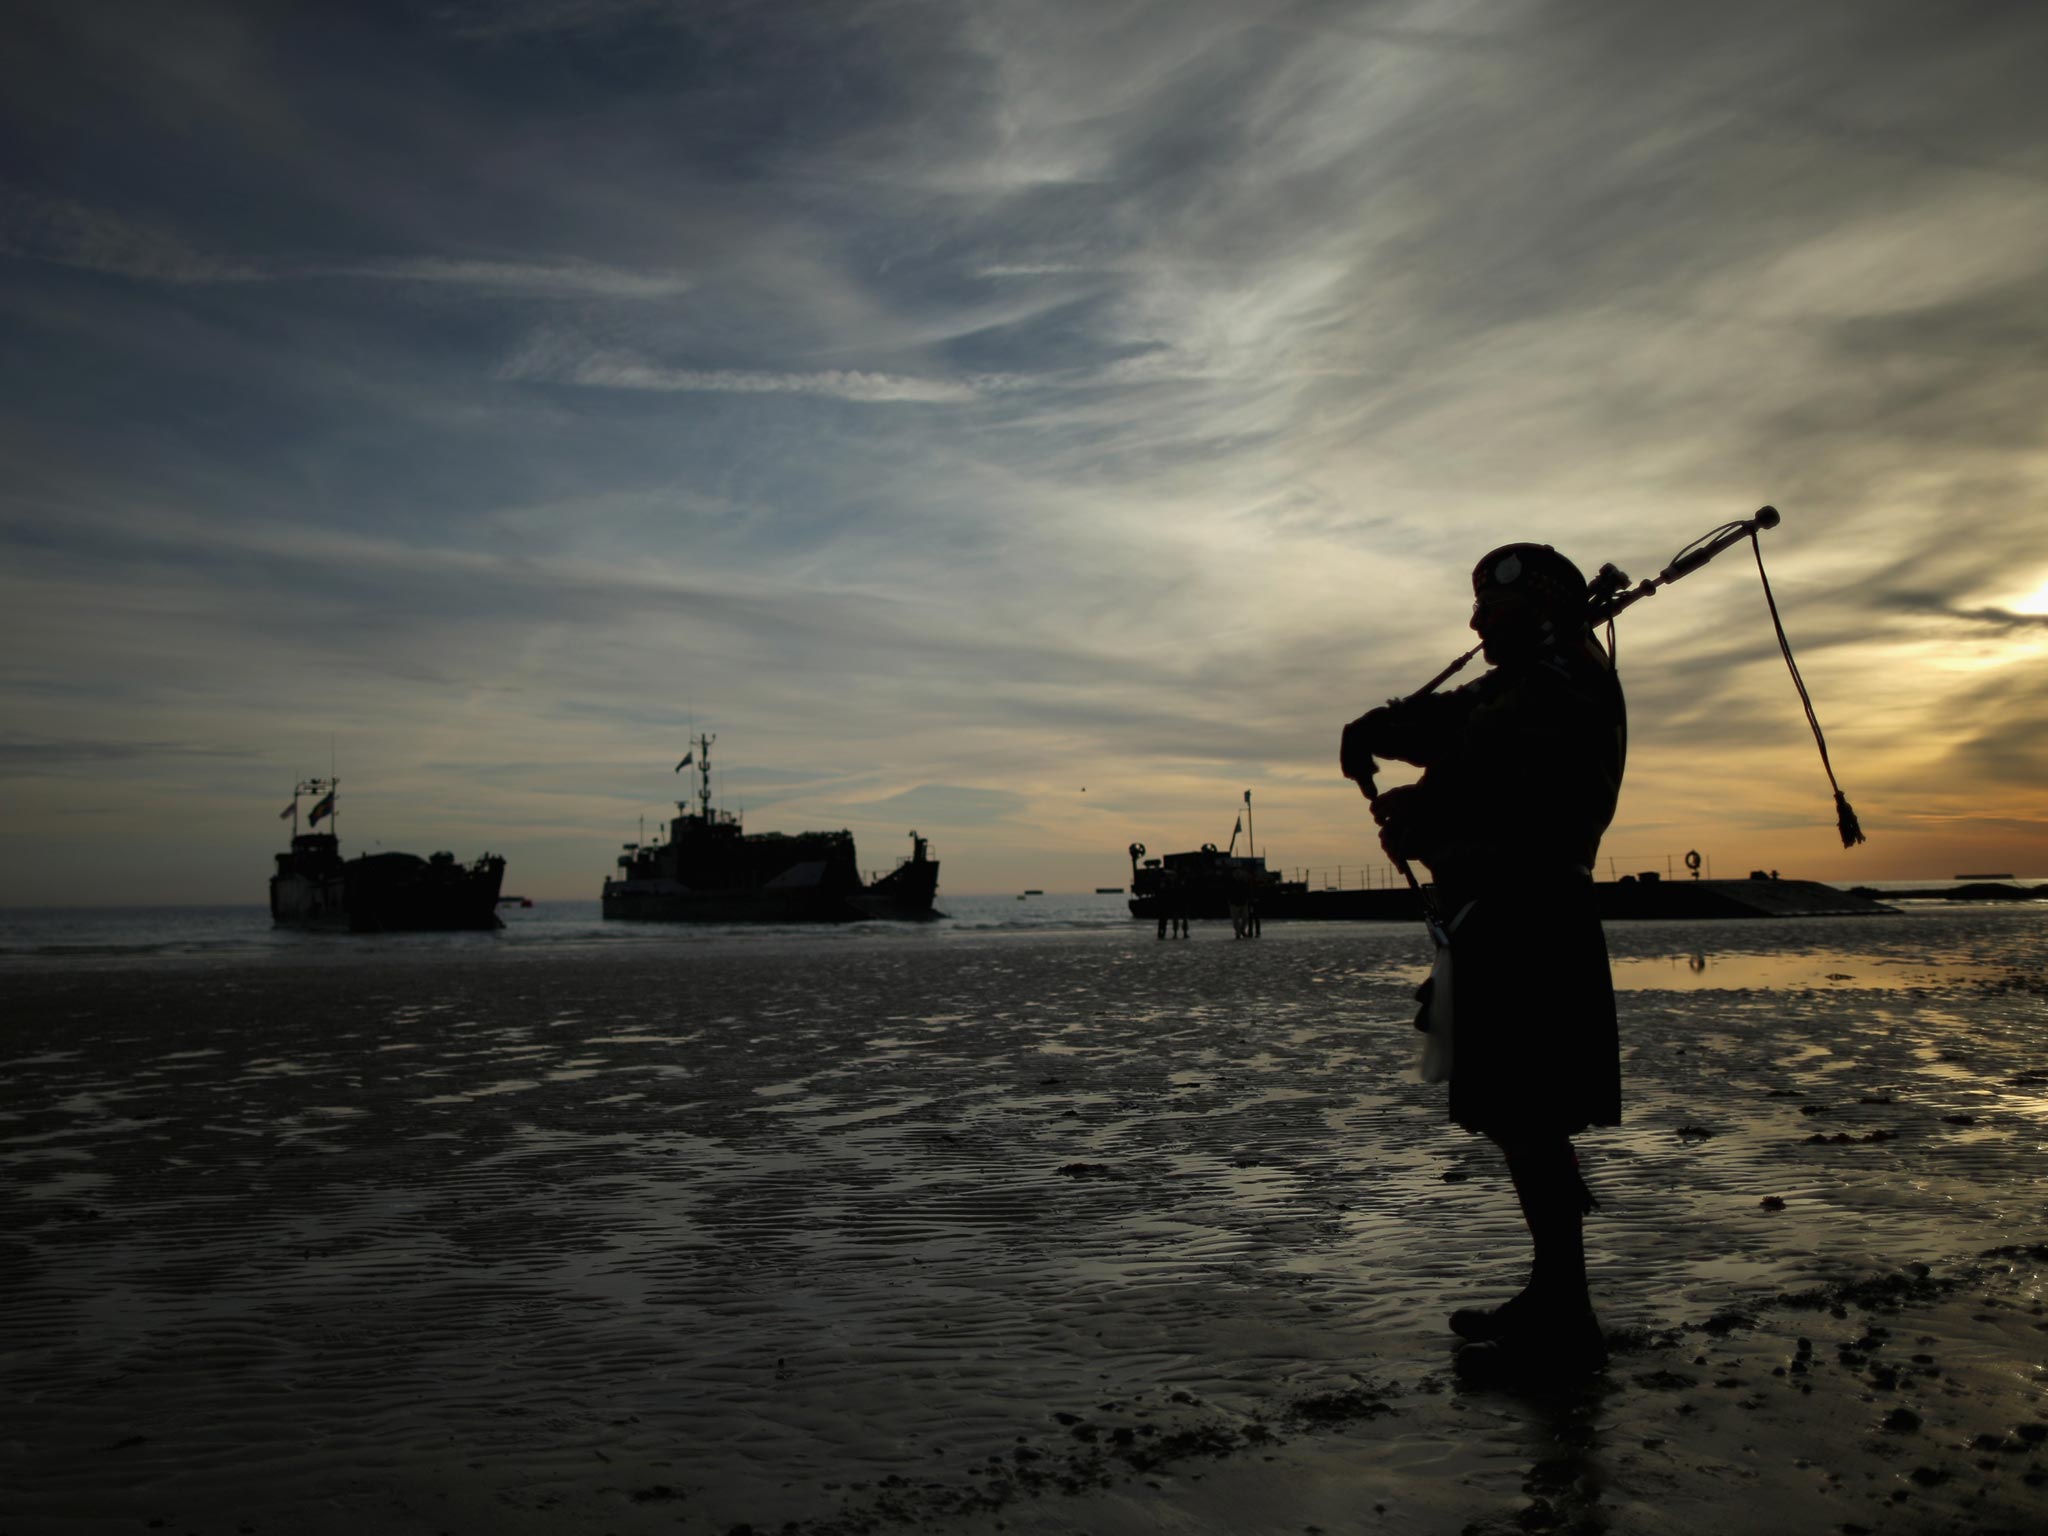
point(712, 871)
point(314, 887)
point(1209, 881)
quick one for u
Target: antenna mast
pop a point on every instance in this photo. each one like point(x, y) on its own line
point(704, 774)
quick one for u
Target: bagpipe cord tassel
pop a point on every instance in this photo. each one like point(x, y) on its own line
point(1845, 814)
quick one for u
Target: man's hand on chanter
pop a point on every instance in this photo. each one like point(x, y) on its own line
point(1360, 744)
point(1408, 822)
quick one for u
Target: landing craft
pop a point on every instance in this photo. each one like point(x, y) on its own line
point(712, 871)
point(314, 887)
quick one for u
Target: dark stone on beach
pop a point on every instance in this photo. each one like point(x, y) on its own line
point(1326, 1408)
point(1726, 1321)
point(1884, 1292)
point(1930, 1477)
point(656, 1494)
point(1666, 1381)
point(2033, 1434)
point(1085, 1171)
point(1695, 1132)
point(1901, 1420)
point(1772, 1202)
point(1958, 1119)
point(2017, 1251)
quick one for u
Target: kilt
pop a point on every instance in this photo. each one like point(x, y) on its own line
point(1536, 1051)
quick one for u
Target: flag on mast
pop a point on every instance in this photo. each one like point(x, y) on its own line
point(324, 808)
point(285, 814)
point(685, 762)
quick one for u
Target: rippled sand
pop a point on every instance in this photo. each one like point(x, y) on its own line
point(1039, 1233)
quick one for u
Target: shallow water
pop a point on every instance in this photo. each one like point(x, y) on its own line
point(525, 1234)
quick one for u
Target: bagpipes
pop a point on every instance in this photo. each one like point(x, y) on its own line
point(1607, 594)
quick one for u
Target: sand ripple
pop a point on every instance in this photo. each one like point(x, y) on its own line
point(612, 1243)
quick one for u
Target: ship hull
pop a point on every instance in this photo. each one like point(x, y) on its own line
point(397, 893)
point(301, 901)
point(711, 870)
point(637, 902)
point(904, 896)
point(389, 893)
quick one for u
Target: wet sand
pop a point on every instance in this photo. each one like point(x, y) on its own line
point(1029, 1233)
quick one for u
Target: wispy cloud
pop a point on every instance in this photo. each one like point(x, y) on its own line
point(949, 805)
point(569, 277)
point(1012, 398)
point(550, 361)
point(30, 756)
point(73, 234)
point(485, 19)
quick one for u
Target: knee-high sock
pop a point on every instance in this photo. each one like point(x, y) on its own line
point(1554, 1201)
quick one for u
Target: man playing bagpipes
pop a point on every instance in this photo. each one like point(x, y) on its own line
point(1522, 769)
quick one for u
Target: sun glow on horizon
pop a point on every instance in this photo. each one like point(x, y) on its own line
point(2035, 602)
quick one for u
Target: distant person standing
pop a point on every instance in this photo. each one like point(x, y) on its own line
point(1522, 769)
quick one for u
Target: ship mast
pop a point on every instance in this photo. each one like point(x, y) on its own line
point(704, 776)
point(319, 789)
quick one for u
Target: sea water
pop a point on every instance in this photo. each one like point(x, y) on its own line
point(1686, 955)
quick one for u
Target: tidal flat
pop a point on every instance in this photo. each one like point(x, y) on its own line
point(1032, 1232)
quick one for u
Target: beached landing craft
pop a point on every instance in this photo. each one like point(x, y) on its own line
point(314, 887)
point(712, 871)
point(1208, 881)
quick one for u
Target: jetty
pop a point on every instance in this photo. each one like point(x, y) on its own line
point(1623, 900)
point(1985, 889)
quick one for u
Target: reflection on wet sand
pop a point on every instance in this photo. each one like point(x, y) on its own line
point(1820, 969)
point(1067, 1234)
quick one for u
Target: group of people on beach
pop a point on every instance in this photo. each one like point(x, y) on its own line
point(1521, 772)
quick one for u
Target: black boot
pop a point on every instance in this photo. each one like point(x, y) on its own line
point(1549, 1331)
point(1482, 1325)
point(1564, 1349)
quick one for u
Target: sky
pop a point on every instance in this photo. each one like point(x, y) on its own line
point(1031, 423)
